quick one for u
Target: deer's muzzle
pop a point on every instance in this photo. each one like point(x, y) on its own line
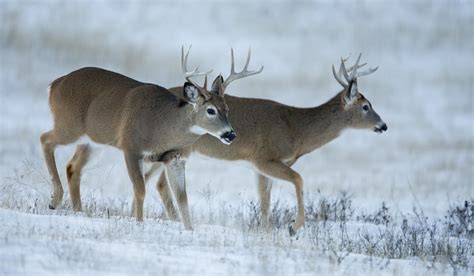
point(381, 128)
point(228, 137)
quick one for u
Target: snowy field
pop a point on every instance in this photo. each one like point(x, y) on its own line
point(398, 212)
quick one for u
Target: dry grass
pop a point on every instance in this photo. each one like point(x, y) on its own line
point(333, 224)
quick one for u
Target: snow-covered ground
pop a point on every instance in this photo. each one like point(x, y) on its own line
point(77, 244)
point(423, 90)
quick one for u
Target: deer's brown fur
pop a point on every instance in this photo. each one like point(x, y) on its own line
point(138, 118)
point(273, 136)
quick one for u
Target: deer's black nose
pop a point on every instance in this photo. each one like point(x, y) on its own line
point(229, 136)
point(384, 127)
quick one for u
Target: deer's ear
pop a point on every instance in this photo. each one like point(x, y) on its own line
point(217, 86)
point(350, 93)
point(191, 92)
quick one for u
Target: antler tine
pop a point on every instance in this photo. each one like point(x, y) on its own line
point(347, 58)
point(354, 72)
point(232, 64)
point(249, 53)
point(338, 76)
point(205, 82)
point(366, 72)
point(249, 73)
point(344, 71)
point(184, 60)
point(350, 68)
point(358, 67)
point(184, 67)
point(195, 73)
point(340, 70)
point(242, 74)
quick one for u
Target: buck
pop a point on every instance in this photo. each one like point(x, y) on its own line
point(273, 136)
point(145, 121)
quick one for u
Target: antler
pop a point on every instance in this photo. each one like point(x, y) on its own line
point(352, 70)
point(195, 73)
point(242, 74)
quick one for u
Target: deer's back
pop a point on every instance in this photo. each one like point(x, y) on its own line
point(96, 102)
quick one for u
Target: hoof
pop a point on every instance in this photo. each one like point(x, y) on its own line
point(51, 207)
point(292, 231)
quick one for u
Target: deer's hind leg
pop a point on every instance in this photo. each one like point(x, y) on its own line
point(175, 172)
point(162, 185)
point(49, 141)
point(279, 170)
point(264, 191)
point(164, 190)
point(166, 197)
point(156, 166)
point(73, 170)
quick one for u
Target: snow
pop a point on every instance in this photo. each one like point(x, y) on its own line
point(78, 244)
point(423, 90)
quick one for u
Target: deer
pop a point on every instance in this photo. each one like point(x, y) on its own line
point(273, 136)
point(145, 121)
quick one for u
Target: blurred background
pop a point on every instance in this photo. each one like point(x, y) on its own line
point(423, 88)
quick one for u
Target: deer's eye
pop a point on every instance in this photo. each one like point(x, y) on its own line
point(365, 107)
point(211, 111)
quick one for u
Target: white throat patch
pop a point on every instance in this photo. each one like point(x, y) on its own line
point(197, 130)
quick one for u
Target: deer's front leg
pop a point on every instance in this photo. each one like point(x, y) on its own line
point(136, 176)
point(175, 172)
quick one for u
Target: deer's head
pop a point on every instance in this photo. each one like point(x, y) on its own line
point(358, 110)
point(212, 110)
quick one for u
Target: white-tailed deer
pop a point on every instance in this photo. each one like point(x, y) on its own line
point(273, 136)
point(143, 120)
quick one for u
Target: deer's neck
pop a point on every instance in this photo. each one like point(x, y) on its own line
point(319, 125)
point(181, 134)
